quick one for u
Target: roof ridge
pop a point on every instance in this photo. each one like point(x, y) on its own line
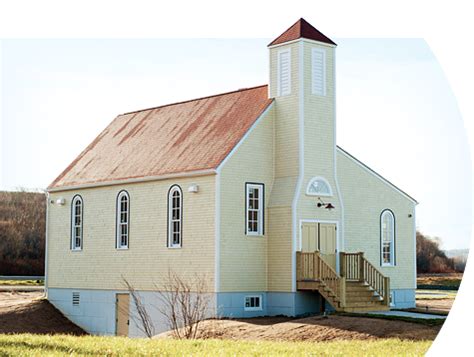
point(192, 100)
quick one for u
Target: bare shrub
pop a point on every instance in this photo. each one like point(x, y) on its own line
point(430, 258)
point(22, 232)
point(143, 321)
point(184, 304)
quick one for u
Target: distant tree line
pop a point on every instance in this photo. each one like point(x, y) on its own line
point(22, 233)
point(431, 259)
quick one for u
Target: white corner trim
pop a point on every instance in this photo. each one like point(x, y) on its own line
point(217, 233)
point(375, 174)
point(242, 140)
point(134, 180)
point(46, 248)
point(299, 183)
point(341, 235)
point(414, 246)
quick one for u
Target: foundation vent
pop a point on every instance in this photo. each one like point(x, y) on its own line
point(76, 298)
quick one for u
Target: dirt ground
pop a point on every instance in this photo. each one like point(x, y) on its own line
point(434, 305)
point(446, 280)
point(313, 329)
point(29, 313)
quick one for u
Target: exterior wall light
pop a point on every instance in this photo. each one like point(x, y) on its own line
point(60, 201)
point(193, 188)
point(328, 205)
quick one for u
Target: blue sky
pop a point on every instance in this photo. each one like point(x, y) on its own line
point(395, 109)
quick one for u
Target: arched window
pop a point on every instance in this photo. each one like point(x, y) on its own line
point(76, 222)
point(319, 186)
point(387, 238)
point(175, 217)
point(123, 220)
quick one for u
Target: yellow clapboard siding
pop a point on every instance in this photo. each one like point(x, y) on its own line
point(100, 266)
point(365, 197)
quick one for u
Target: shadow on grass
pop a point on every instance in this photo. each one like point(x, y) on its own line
point(42, 346)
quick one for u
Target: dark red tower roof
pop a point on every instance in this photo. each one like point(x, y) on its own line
point(301, 29)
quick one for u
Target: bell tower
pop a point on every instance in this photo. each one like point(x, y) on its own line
point(302, 83)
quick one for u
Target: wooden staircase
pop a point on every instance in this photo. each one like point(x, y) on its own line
point(359, 287)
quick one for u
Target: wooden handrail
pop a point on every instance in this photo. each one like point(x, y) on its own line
point(312, 267)
point(355, 267)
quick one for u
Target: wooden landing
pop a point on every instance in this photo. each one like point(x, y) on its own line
point(309, 285)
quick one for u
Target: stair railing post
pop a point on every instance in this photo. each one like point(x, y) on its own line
point(315, 266)
point(343, 291)
point(342, 264)
point(386, 290)
point(361, 267)
point(298, 266)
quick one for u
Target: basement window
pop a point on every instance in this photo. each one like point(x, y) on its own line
point(76, 298)
point(253, 303)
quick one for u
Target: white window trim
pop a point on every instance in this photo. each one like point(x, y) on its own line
point(170, 219)
point(319, 194)
point(73, 226)
point(323, 52)
point(392, 242)
point(279, 92)
point(257, 308)
point(261, 204)
point(118, 239)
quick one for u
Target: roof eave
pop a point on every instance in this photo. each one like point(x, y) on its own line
point(196, 173)
point(378, 175)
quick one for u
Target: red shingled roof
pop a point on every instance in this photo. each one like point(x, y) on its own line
point(301, 28)
point(175, 138)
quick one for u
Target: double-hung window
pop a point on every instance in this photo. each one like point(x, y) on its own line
point(175, 217)
point(387, 244)
point(254, 193)
point(123, 220)
point(76, 223)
